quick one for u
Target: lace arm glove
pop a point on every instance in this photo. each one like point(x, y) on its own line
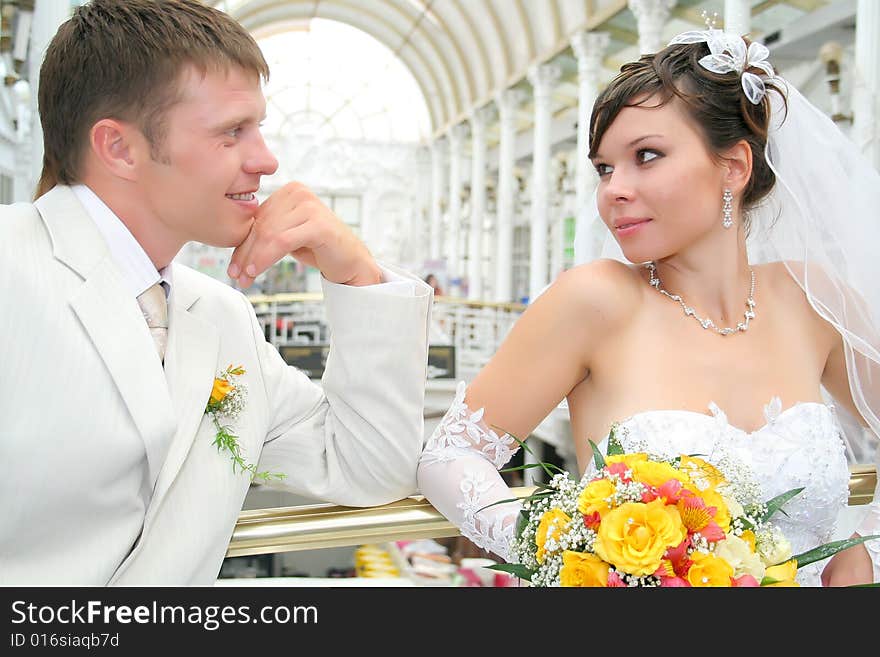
point(458, 473)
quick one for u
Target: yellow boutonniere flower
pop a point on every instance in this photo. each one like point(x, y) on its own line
point(227, 401)
point(221, 388)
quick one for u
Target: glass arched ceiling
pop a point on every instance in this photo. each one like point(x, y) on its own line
point(463, 52)
point(330, 80)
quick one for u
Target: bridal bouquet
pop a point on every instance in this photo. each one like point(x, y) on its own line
point(645, 520)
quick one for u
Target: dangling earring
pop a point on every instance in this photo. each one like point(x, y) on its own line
point(727, 209)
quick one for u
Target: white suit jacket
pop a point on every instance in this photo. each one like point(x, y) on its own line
point(85, 404)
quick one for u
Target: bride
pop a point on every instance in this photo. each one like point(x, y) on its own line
point(745, 210)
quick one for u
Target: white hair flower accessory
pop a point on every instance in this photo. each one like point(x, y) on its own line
point(728, 53)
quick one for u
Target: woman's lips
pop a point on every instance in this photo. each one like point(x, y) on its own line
point(629, 227)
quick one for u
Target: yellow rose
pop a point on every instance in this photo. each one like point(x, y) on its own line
point(583, 569)
point(740, 555)
point(709, 570)
point(554, 523)
point(629, 459)
point(221, 388)
point(783, 573)
point(594, 497)
point(655, 473)
point(635, 536)
point(700, 471)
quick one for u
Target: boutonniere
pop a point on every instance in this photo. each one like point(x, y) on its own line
point(227, 401)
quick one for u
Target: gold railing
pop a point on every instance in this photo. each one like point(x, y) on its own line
point(316, 526)
point(298, 297)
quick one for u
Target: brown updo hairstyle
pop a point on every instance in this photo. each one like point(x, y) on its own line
point(716, 103)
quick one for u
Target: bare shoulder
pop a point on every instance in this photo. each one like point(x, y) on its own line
point(785, 279)
point(603, 291)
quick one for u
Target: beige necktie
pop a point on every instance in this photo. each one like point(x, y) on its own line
point(155, 308)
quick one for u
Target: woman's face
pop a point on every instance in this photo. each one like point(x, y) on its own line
point(659, 189)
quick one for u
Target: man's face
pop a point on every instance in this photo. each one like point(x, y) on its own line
point(201, 185)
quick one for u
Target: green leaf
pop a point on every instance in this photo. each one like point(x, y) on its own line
point(522, 519)
point(528, 466)
point(614, 446)
point(514, 569)
point(532, 497)
point(830, 549)
point(598, 459)
point(776, 503)
point(522, 443)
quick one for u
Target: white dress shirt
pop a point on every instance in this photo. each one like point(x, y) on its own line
point(133, 262)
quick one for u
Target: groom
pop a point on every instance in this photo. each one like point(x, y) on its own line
point(151, 113)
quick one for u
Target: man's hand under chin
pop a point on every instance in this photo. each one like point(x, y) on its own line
point(293, 220)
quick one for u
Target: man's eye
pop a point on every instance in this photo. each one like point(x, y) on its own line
point(233, 132)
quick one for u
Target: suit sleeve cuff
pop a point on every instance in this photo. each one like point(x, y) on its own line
point(395, 282)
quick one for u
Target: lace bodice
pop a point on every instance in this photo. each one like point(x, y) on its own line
point(797, 447)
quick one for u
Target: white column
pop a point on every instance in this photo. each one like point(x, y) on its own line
point(23, 187)
point(558, 173)
point(478, 201)
point(543, 78)
point(651, 16)
point(508, 102)
point(737, 17)
point(456, 139)
point(48, 16)
point(438, 153)
point(420, 229)
point(589, 48)
point(866, 91)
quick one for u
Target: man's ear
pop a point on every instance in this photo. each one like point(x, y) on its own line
point(118, 147)
point(738, 162)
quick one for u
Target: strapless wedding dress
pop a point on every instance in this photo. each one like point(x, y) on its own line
point(800, 446)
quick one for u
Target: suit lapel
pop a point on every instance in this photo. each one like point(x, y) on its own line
point(113, 321)
point(119, 333)
point(190, 367)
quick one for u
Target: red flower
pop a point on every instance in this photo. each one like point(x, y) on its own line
point(744, 580)
point(620, 469)
point(712, 532)
point(678, 557)
point(673, 582)
point(592, 520)
point(614, 579)
point(672, 491)
point(694, 513)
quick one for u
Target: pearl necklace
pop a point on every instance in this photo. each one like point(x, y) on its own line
point(707, 323)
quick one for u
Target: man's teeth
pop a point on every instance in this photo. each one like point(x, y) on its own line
point(241, 197)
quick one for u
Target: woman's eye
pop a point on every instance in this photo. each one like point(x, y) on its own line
point(646, 155)
point(603, 169)
point(233, 132)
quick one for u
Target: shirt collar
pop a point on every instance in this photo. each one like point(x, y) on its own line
point(138, 271)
